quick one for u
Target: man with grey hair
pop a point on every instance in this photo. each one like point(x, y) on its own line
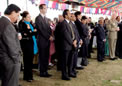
point(112, 27)
point(101, 39)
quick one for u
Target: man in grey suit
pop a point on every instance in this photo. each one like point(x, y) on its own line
point(43, 40)
point(10, 51)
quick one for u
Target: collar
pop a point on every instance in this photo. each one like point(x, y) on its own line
point(7, 18)
point(73, 22)
point(42, 15)
point(67, 20)
point(79, 20)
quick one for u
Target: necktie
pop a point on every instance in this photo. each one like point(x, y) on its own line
point(71, 27)
point(45, 19)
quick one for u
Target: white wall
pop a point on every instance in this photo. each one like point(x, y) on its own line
point(3, 5)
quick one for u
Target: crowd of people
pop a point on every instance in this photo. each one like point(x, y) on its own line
point(68, 39)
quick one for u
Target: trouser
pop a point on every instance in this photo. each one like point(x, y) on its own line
point(43, 59)
point(10, 73)
point(66, 62)
point(100, 51)
point(28, 54)
point(59, 63)
point(120, 49)
point(74, 59)
point(112, 47)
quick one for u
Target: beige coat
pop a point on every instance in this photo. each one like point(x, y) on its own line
point(111, 26)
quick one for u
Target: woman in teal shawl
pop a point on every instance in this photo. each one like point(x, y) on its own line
point(28, 44)
point(106, 32)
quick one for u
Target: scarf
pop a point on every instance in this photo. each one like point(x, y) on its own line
point(33, 37)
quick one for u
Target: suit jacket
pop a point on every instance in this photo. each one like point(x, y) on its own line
point(57, 34)
point(66, 36)
point(10, 50)
point(77, 36)
point(43, 31)
point(82, 29)
point(100, 32)
point(111, 26)
point(25, 32)
point(120, 32)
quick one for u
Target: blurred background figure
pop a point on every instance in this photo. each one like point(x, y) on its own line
point(92, 26)
point(106, 34)
point(117, 47)
point(101, 39)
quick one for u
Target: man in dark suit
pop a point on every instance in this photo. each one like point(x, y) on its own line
point(78, 24)
point(43, 40)
point(79, 43)
point(101, 39)
point(83, 32)
point(10, 51)
point(68, 42)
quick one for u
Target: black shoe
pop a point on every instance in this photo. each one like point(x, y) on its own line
point(45, 75)
point(120, 57)
point(66, 78)
point(89, 56)
point(84, 64)
point(80, 68)
point(72, 75)
point(85, 61)
point(92, 51)
point(19, 85)
point(113, 59)
point(75, 72)
point(58, 69)
point(100, 60)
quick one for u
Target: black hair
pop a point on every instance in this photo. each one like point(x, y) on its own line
point(77, 13)
point(65, 12)
point(56, 20)
point(24, 14)
point(117, 17)
point(41, 6)
point(83, 18)
point(11, 8)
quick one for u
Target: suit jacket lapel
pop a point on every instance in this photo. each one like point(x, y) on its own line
point(45, 25)
point(67, 25)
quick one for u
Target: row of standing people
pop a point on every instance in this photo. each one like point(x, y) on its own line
point(67, 41)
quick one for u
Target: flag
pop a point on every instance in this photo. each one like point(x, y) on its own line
point(54, 4)
point(50, 4)
point(91, 10)
point(82, 9)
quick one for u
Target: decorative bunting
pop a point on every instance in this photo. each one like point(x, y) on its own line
point(62, 6)
point(104, 4)
point(54, 5)
point(96, 10)
point(82, 9)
